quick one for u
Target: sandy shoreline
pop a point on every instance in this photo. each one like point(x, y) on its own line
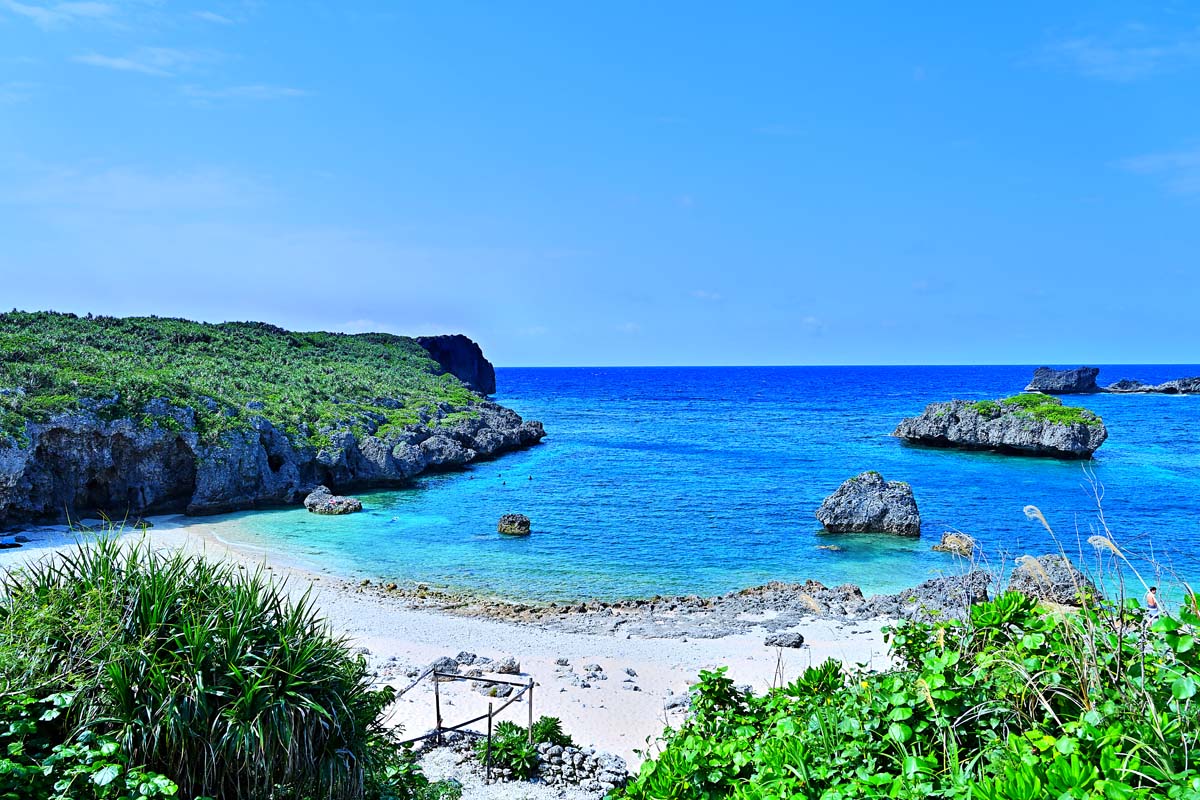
point(400, 638)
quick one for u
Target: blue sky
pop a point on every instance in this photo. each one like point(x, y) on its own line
point(617, 183)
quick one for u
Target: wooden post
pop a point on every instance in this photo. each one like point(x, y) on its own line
point(487, 763)
point(529, 702)
point(437, 710)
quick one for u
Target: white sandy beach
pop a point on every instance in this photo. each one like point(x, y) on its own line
point(606, 714)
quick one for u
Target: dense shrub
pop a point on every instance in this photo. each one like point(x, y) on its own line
point(1018, 703)
point(195, 670)
point(512, 750)
point(306, 383)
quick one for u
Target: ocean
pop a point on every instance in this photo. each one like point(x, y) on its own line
point(682, 480)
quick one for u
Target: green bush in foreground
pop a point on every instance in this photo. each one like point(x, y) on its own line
point(1016, 704)
point(134, 664)
point(512, 750)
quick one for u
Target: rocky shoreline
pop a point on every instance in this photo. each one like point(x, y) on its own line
point(769, 608)
point(1082, 380)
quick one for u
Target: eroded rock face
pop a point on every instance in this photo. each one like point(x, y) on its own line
point(79, 464)
point(323, 501)
point(1051, 578)
point(868, 504)
point(514, 525)
point(1003, 429)
point(463, 359)
point(1081, 380)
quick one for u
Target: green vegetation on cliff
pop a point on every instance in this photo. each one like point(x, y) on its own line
point(1041, 407)
point(1018, 703)
point(305, 382)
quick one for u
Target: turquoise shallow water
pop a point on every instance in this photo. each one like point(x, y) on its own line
point(703, 480)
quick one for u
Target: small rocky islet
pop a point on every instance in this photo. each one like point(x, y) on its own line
point(1025, 424)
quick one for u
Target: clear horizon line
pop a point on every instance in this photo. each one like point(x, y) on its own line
point(809, 366)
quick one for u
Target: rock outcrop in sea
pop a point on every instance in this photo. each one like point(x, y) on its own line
point(1033, 425)
point(867, 503)
point(1081, 380)
point(322, 501)
point(83, 463)
point(513, 525)
point(462, 358)
point(960, 544)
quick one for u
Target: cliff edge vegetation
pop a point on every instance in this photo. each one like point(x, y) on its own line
point(228, 374)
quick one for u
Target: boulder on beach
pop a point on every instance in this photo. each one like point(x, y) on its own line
point(323, 501)
point(785, 639)
point(1026, 424)
point(514, 525)
point(867, 503)
point(957, 543)
point(1051, 578)
point(1081, 380)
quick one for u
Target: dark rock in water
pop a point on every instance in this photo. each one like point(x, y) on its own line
point(1081, 380)
point(784, 640)
point(1177, 386)
point(322, 501)
point(1052, 578)
point(1007, 426)
point(21, 539)
point(514, 525)
point(867, 503)
point(958, 543)
point(9, 545)
point(463, 359)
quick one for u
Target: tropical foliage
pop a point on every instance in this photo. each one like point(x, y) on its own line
point(130, 672)
point(1017, 703)
point(304, 383)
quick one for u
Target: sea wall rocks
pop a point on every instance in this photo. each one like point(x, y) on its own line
point(583, 767)
point(462, 358)
point(1004, 426)
point(80, 464)
point(1081, 380)
point(867, 503)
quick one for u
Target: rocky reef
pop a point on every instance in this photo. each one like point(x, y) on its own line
point(1177, 386)
point(81, 464)
point(867, 503)
point(1081, 380)
point(462, 358)
point(1031, 424)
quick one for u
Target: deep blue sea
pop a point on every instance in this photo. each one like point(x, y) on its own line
point(703, 480)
